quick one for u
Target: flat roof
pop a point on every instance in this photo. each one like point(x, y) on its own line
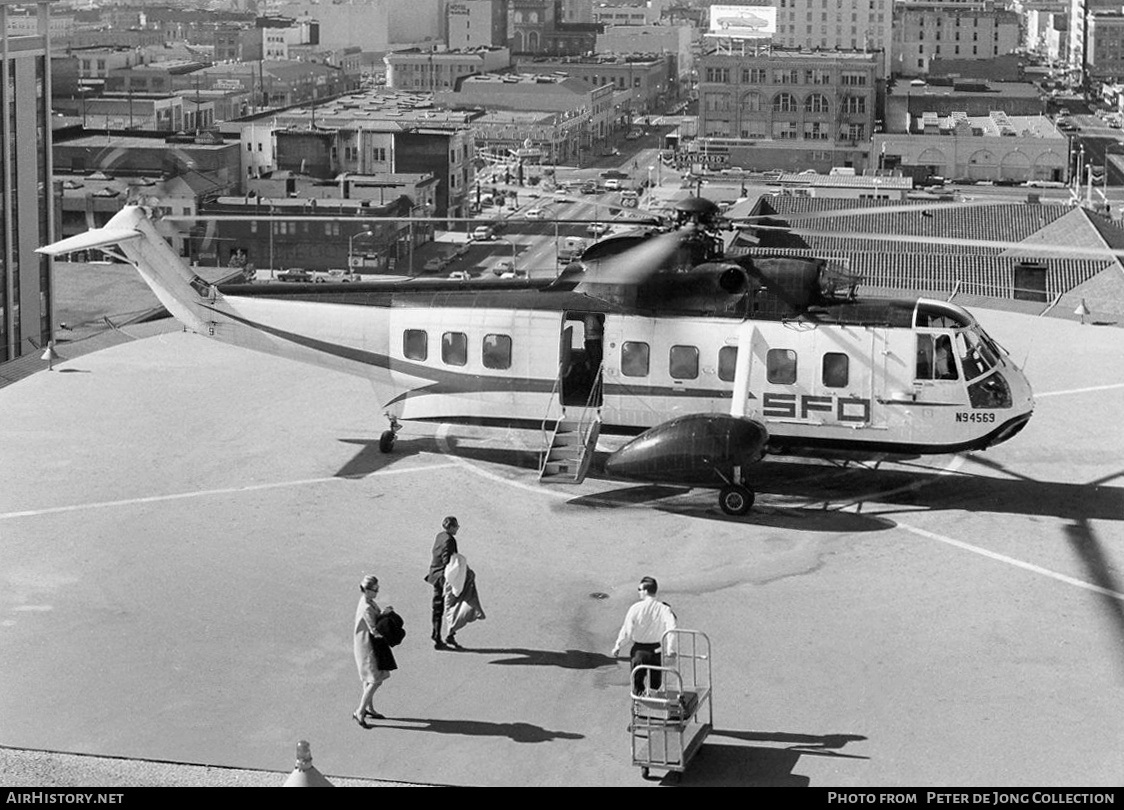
point(967, 88)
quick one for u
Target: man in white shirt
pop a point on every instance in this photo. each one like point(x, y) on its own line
point(645, 624)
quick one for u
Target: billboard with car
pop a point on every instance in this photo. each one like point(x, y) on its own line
point(743, 22)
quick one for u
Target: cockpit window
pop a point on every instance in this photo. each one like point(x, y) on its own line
point(976, 356)
point(935, 315)
point(934, 358)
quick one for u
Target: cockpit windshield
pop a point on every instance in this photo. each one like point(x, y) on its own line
point(976, 355)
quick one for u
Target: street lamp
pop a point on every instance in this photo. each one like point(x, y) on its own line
point(350, 243)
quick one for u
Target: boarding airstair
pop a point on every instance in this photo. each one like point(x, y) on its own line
point(571, 448)
point(574, 440)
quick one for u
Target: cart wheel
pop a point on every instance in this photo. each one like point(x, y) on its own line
point(386, 441)
point(643, 773)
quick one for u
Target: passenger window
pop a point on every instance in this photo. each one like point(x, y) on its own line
point(836, 370)
point(727, 363)
point(415, 344)
point(454, 348)
point(634, 359)
point(497, 351)
point(683, 363)
point(780, 366)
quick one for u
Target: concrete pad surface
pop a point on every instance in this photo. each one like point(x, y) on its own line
point(183, 526)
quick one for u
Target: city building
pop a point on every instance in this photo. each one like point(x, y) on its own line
point(631, 14)
point(536, 29)
point(906, 102)
point(535, 137)
point(677, 40)
point(973, 147)
point(26, 204)
point(926, 31)
point(475, 23)
point(847, 25)
point(584, 112)
point(1040, 23)
point(643, 83)
point(155, 77)
point(273, 84)
point(1080, 12)
point(1104, 47)
point(370, 133)
point(429, 71)
point(365, 23)
point(786, 110)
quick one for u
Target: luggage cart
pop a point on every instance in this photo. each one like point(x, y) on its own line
point(670, 724)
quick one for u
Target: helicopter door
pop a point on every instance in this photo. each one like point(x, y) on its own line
point(579, 359)
point(936, 375)
point(846, 375)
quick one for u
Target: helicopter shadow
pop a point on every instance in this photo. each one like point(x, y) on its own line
point(803, 487)
point(701, 504)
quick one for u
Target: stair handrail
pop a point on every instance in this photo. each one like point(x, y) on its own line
point(585, 424)
point(546, 440)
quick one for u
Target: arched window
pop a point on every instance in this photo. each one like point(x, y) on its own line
point(784, 102)
point(817, 103)
point(751, 102)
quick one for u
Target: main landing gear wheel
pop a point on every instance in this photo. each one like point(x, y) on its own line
point(735, 499)
point(388, 437)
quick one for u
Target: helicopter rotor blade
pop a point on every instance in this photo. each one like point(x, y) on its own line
point(1058, 250)
point(838, 213)
point(636, 264)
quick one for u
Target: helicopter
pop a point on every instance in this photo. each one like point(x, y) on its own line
point(703, 362)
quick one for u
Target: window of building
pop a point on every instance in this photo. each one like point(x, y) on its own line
point(727, 363)
point(634, 359)
point(854, 104)
point(454, 348)
point(496, 352)
point(683, 363)
point(780, 366)
point(784, 102)
point(754, 76)
point(817, 103)
point(816, 130)
point(415, 344)
point(751, 102)
point(784, 130)
point(836, 370)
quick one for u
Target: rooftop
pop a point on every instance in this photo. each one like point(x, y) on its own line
point(918, 87)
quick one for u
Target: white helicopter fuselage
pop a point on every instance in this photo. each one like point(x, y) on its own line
point(812, 384)
point(884, 376)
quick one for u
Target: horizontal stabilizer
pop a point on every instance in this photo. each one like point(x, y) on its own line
point(96, 238)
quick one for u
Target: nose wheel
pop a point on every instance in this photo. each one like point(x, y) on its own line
point(388, 437)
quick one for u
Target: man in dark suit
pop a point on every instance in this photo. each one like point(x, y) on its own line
point(444, 547)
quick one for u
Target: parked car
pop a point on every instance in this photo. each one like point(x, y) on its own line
point(634, 135)
point(334, 276)
point(433, 265)
point(597, 228)
point(612, 184)
point(459, 275)
point(535, 213)
point(501, 269)
point(617, 173)
point(1044, 184)
point(481, 233)
point(589, 187)
point(295, 274)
